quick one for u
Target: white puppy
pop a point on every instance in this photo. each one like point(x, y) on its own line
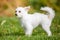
point(31, 21)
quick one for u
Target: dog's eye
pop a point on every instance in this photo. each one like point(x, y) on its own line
point(15, 11)
point(19, 11)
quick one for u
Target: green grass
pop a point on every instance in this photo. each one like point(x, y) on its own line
point(11, 30)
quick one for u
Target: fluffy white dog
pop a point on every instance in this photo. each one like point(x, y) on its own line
point(31, 21)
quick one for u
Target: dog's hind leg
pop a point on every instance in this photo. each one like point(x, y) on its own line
point(46, 27)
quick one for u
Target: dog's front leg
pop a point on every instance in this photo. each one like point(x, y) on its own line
point(28, 29)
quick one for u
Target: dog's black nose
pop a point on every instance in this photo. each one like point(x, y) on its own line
point(16, 14)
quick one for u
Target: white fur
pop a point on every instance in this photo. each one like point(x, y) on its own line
point(31, 21)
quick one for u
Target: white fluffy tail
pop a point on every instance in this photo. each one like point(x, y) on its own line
point(51, 12)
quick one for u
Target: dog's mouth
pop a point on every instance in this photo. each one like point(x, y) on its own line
point(18, 16)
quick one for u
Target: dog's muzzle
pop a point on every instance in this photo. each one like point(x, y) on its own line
point(16, 14)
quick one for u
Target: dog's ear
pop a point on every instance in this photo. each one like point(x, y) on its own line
point(27, 8)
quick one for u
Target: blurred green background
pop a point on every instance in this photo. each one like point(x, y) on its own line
point(11, 29)
point(7, 7)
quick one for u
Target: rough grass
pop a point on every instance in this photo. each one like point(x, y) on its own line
point(11, 30)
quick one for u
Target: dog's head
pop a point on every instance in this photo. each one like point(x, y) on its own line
point(20, 11)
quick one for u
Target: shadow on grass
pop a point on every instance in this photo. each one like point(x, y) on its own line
point(12, 34)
